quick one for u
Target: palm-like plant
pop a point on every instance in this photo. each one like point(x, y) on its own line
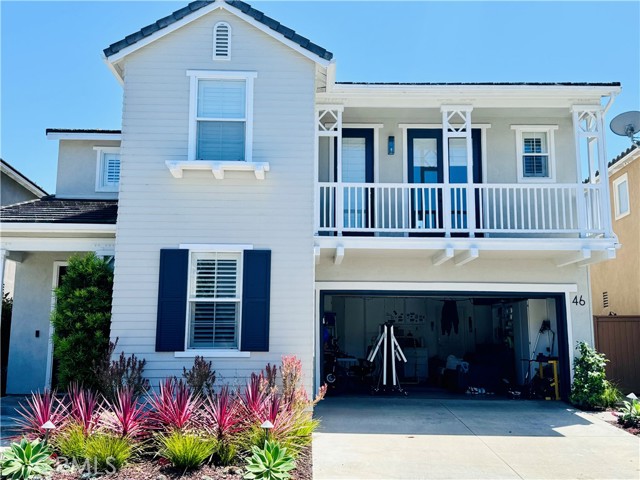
point(40, 409)
point(174, 407)
point(126, 416)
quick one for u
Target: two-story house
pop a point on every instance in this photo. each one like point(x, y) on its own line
point(265, 209)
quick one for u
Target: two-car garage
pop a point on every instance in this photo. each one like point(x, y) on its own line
point(451, 342)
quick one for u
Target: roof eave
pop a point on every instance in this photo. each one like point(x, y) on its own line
point(23, 181)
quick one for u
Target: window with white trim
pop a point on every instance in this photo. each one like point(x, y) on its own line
point(535, 152)
point(108, 169)
point(221, 111)
point(621, 196)
point(214, 300)
point(222, 41)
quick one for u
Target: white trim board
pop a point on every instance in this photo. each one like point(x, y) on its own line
point(54, 285)
point(83, 136)
point(21, 180)
point(20, 227)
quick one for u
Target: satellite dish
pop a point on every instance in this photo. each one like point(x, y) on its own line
point(627, 125)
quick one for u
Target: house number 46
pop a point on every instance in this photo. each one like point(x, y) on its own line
point(579, 301)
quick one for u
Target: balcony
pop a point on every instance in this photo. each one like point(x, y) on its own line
point(460, 210)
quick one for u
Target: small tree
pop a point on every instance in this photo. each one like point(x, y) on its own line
point(591, 389)
point(82, 319)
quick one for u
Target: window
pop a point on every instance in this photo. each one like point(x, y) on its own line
point(621, 196)
point(221, 126)
point(108, 170)
point(213, 300)
point(535, 150)
point(222, 41)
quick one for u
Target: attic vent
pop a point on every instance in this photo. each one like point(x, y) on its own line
point(222, 41)
point(605, 299)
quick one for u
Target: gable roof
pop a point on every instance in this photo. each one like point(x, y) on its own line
point(50, 209)
point(181, 17)
point(21, 179)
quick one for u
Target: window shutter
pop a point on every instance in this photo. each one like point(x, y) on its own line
point(256, 292)
point(172, 300)
point(111, 169)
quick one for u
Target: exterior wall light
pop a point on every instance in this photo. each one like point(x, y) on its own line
point(391, 145)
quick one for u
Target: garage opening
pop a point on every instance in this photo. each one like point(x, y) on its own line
point(481, 343)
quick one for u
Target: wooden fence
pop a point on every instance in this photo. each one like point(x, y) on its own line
point(619, 339)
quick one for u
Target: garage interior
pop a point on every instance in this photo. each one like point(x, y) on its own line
point(475, 344)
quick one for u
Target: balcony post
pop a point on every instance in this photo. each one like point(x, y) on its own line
point(588, 124)
point(456, 123)
point(329, 124)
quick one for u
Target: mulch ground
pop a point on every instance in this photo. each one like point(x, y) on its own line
point(154, 470)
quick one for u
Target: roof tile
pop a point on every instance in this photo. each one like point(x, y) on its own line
point(50, 209)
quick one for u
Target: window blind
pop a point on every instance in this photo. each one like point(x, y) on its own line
point(111, 169)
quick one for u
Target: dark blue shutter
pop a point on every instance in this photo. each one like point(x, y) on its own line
point(172, 300)
point(256, 292)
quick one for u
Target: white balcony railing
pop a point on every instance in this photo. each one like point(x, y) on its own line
point(558, 209)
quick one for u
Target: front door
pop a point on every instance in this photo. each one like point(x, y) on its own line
point(357, 168)
point(426, 167)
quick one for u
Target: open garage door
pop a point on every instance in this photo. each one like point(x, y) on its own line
point(475, 343)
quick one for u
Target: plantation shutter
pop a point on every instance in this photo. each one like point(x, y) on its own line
point(172, 300)
point(256, 292)
point(111, 169)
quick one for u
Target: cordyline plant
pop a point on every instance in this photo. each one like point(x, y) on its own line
point(126, 416)
point(40, 409)
point(223, 415)
point(254, 399)
point(84, 409)
point(174, 407)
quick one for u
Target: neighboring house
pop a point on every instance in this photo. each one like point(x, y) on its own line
point(14, 188)
point(615, 285)
point(265, 209)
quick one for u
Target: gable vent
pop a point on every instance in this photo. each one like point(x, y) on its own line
point(222, 41)
point(605, 299)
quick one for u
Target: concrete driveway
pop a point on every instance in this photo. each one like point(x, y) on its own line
point(467, 438)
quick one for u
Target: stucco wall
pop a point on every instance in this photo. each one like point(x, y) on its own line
point(620, 277)
point(31, 312)
point(158, 211)
point(500, 142)
point(77, 168)
point(12, 192)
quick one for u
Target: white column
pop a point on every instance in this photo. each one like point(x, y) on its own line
point(456, 123)
point(588, 124)
point(329, 124)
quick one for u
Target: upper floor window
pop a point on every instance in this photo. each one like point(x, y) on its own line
point(222, 41)
point(621, 196)
point(108, 169)
point(535, 151)
point(221, 115)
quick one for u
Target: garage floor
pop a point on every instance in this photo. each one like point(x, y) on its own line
point(467, 438)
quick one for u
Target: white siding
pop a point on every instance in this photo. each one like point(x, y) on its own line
point(158, 211)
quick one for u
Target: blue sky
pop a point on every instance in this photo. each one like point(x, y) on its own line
point(53, 74)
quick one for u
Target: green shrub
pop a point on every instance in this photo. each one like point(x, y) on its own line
point(590, 388)
point(26, 460)
point(226, 452)
point(272, 462)
point(186, 451)
point(108, 452)
point(81, 319)
point(629, 414)
point(71, 442)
